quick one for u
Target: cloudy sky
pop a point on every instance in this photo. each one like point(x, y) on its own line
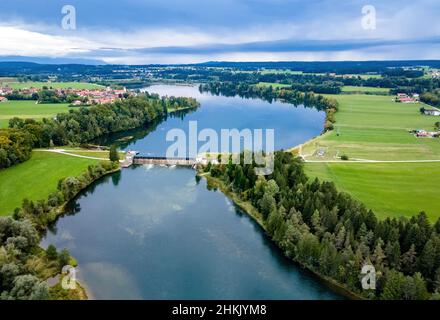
point(177, 31)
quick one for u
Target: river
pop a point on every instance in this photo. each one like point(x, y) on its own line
point(151, 232)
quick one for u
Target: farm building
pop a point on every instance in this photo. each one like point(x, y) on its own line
point(404, 98)
point(431, 112)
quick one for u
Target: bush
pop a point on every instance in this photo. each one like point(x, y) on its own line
point(63, 258)
point(51, 252)
point(113, 154)
point(344, 157)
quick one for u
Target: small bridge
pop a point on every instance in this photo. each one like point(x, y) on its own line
point(164, 161)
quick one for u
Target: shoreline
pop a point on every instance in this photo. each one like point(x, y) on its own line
point(60, 211)
point(256, 216)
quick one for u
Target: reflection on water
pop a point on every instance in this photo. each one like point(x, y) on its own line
point(292, 125)
point(159, 234)
point(153, 232)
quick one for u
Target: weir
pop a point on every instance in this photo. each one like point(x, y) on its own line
point(164, 161)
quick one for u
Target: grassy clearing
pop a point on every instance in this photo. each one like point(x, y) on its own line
point(389, 189)
point(36, 178)
point(358, 89)
point(374, 127)
point(29, 109)
point(273, 84)
point(54, 85)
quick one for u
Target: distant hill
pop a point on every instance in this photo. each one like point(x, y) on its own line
point(325, 66)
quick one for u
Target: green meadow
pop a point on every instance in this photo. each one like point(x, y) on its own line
point(389, 189)
point(358, 89)
point(54, 85)
point(273, 84)
point(36, 178)
point(375, 127)
point(29, 109)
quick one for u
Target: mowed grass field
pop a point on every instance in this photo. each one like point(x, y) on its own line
point(36, 178)
point(376, 128)
point(54, 85)
point(389, 189)
point(350, 89)
point(29, 109)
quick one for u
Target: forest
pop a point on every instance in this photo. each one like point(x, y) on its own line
point(334, 235)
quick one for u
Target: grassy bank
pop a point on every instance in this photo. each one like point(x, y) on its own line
point(36, 178)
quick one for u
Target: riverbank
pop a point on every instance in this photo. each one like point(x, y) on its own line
point(254, 214)
point(48, 270)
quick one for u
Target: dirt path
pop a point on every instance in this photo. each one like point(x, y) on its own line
point(62, 151)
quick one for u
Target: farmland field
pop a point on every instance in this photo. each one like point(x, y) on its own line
point(350, 89)
point(374, 127)
point(54, 85)
point(29, 109)
point(36, 178)
point(389, 189)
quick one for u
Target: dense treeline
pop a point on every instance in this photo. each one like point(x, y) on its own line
point(83, 124)
point(24, 266)
point(432, 98)
point(334, 235)
point(398, 79)
point(69, 72)
point(15, 146)
point(17, 95)
point(268, 93)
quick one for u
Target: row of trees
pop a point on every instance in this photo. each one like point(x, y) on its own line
point(334, 235)
point(432, 98)
point(268, 93)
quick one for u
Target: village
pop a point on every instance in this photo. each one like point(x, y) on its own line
point(81, 96)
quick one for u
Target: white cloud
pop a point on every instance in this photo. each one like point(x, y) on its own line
point(18, 41)
point(114, 46)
